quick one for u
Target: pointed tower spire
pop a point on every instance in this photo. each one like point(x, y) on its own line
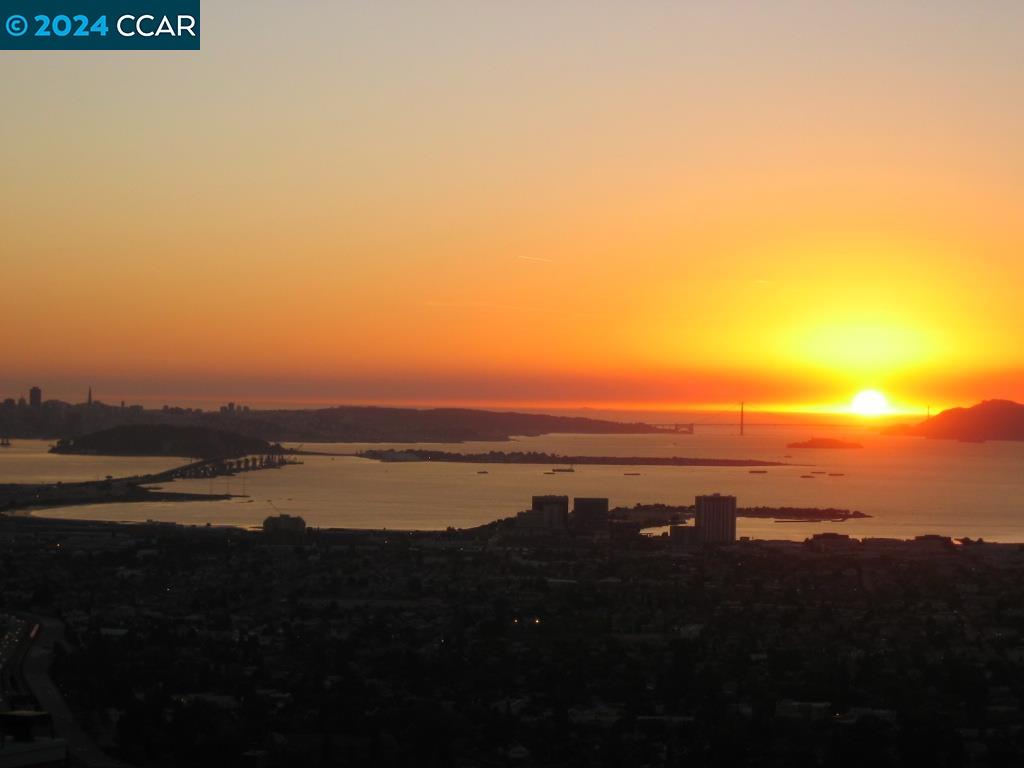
point(89, 401)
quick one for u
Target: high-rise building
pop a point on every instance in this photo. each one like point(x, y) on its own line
point(554, 511)
point(35, 397)
point(716, 519)
point(590, 514)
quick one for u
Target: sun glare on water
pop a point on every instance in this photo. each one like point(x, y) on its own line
point(870, 402)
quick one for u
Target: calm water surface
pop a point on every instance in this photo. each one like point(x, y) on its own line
point(910, 486)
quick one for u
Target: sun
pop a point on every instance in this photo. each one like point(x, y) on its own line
point(869, 402)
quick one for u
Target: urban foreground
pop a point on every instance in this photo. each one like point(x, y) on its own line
point(545, 640)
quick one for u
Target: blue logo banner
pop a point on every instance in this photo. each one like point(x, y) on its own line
point(94, 25)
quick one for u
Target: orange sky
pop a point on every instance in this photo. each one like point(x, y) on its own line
point(579, 203)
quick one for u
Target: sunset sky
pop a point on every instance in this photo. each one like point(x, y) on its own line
point(625, 204)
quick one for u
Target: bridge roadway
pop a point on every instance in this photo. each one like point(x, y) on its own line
point(214, 468)
point(17, 496)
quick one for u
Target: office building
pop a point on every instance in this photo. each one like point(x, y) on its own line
point(590, 514)
point(716, 519)
point(553, 510)
point(35, 397)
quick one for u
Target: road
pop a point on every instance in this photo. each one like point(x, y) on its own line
point(35, 665)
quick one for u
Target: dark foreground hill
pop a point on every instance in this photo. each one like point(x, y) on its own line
point(164, 440)
point(989, 420)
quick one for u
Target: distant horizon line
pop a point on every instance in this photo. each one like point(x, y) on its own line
point(208, 404)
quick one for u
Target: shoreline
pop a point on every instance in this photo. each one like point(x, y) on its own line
point(476, 533)
point(500, 457)
point(668, 514)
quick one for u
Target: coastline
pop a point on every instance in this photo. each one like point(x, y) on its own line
point(481, 534)
point(517, 457)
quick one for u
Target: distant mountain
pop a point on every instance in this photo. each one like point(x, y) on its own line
point(164, 440)
point(441, 425)
point(989, 420)
point(371, 424)
point(343, 424)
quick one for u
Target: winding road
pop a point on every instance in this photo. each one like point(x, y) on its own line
point(35, 665)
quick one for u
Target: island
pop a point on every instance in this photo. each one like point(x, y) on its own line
point(534, 457)
point(165, 440)
point(825, 442)
point(988, 420)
